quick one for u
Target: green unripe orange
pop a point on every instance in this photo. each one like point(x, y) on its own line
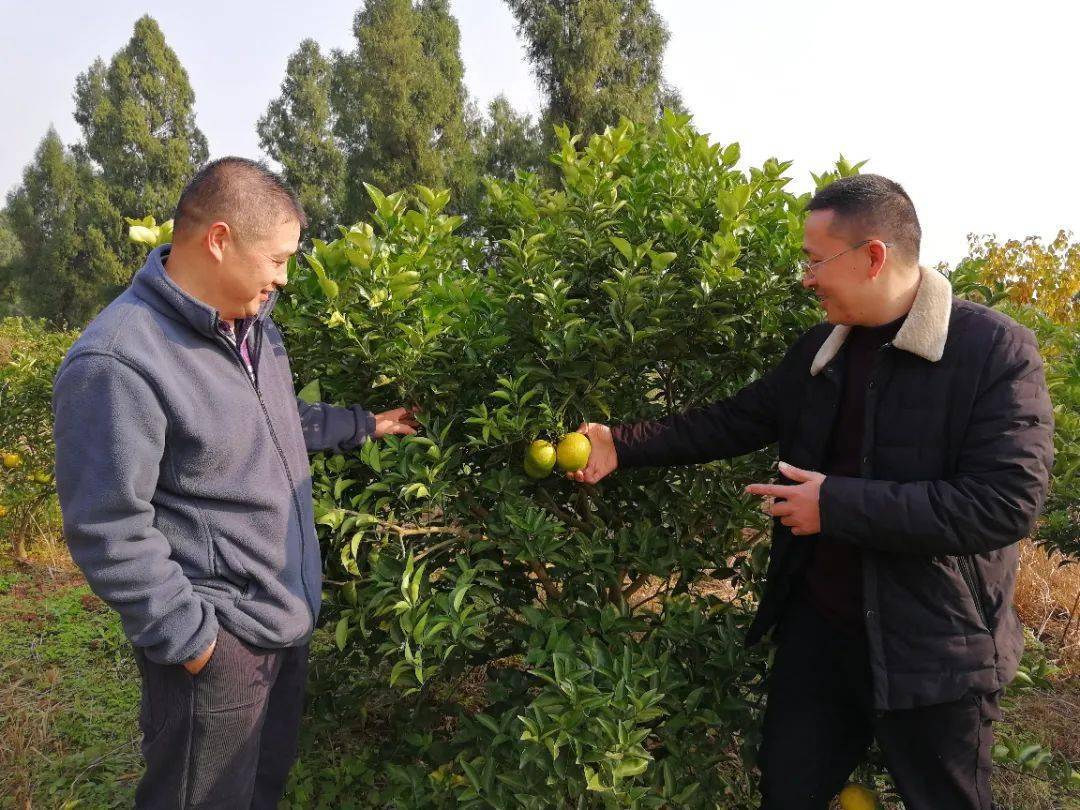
point(539, 459)
point(573, 452)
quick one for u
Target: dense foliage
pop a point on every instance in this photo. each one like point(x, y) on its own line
point(657, 276)
point(30, 354)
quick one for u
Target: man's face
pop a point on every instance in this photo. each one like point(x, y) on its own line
point(250, 270)
point(840, 283)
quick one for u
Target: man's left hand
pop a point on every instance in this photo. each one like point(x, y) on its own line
point(796, 505)
point(399, 422)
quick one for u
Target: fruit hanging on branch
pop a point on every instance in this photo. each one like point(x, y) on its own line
point(540, 459)
point(573, 452)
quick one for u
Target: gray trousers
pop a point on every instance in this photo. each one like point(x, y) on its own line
point(225, 738)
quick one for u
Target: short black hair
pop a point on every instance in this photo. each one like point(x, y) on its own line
point(869, 206)
point(242, 192)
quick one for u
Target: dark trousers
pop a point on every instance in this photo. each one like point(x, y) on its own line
point(820, 721)
point(225, 738)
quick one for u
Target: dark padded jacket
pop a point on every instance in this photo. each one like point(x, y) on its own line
point(956, 455)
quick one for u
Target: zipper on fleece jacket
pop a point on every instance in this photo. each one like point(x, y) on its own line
point(253, 379)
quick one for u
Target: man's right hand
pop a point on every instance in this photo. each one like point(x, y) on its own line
point(195, 665)
point(603, 460)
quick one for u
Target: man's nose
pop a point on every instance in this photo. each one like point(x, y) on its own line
point(808, 280)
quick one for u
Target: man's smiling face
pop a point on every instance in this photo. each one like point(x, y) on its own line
point(250, 270)
point(839, 279)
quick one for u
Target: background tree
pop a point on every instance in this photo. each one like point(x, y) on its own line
point(1045, 275)
point(400, 101)
point(510, 141)
point(596, 60)
point(298, 132)
point(138, 121)
point(62, 217)
point(10, 249)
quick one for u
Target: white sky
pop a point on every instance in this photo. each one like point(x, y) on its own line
point(970, 105)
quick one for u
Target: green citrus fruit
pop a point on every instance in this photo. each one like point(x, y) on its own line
point(541, 454)
point(533, 471)
point(12, 460)
point(573, 451)
point(539, 459)
point(857, 797)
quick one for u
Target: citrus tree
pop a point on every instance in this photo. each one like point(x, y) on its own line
point(553, 645)
point(30, 354)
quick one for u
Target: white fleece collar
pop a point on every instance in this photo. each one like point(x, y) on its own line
point(923, 332)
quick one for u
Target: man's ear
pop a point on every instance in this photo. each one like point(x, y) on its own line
point(216, 238)
point(878, 253)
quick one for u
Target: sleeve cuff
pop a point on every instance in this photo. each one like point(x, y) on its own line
point(624, 451)
point(166, 653)
point(365, 425)
point(835, 490)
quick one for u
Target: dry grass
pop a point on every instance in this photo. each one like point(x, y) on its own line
point(1047, 597)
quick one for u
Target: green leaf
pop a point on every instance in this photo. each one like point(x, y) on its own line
point(488, 722)
point(143, 235)
point(341, 632)
point(623, 246)
point(377, 197)
point(311, 393)
point(316, 266)
point(662, 260)
point(329, 287)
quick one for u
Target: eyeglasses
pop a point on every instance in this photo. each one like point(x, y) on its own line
point(807, 267)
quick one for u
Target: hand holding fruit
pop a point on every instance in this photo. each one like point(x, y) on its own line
point(572, 455)
point(603, 460)
point(399, 422)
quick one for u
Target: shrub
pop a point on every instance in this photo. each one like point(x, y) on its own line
point(552, 644)
point(30, 353)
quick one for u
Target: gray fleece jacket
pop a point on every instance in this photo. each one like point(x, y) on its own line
point(184, 482)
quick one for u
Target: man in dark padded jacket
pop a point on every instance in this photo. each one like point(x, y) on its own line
point(915, 442)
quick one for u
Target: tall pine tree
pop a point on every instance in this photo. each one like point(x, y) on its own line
point(400, 101)
point(10, 250)
point(511, 141)
point(62, 217)
point(138, 121)
point(596, 60)
point(297, 132)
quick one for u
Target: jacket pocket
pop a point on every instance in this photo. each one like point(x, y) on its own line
point(970, 572)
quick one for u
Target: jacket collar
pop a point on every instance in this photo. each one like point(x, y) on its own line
point(923, 332)
point(153, 285)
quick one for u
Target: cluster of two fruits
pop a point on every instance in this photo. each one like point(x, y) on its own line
point(571, 455)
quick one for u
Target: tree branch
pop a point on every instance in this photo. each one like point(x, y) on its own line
point(550, 588)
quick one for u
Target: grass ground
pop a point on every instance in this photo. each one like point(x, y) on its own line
point(69, 691)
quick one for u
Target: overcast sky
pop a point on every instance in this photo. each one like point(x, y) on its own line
point(970, 105)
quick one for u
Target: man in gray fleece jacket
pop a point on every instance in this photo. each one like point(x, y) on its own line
point(182, 470)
